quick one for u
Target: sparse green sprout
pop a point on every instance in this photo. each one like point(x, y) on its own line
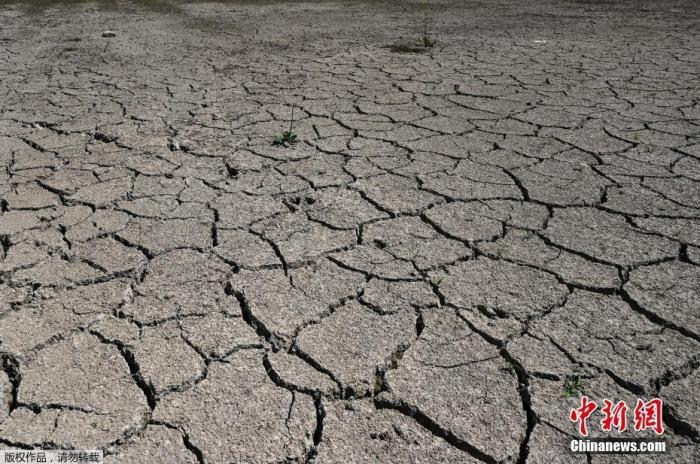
point(287, 137)
point(573, 386)
point(423, 43)
point(378, 384)
point(425, 40)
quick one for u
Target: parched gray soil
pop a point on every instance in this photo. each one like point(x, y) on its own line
point(464, 239)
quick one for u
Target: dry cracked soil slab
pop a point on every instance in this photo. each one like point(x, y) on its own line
point(463, 238)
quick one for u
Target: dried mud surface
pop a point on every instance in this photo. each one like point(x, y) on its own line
point(459, 233)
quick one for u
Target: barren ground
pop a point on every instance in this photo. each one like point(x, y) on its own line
point(464, 240)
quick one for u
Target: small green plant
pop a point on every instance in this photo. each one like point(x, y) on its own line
point(425, 40)
point(287, 137)
point(423, 43)
point(378, 384)
point(573, 386)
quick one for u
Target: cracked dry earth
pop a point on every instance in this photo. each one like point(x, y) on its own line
point(457, 233)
